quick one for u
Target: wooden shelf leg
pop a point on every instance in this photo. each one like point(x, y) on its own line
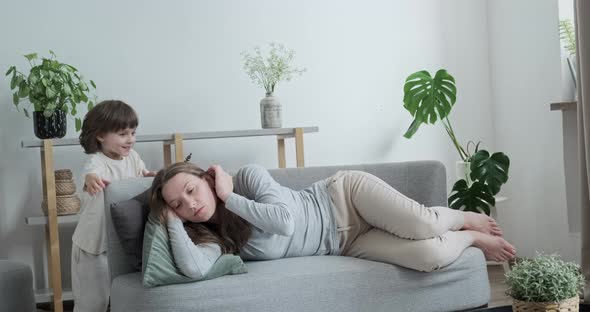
point(299, 147)
point(178, 148)
point(281, 150)
point(49, 190)
point(167, 154)
point(48, 254)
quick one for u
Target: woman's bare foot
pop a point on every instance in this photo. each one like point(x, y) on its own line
point(495, 248)
point(481, 223)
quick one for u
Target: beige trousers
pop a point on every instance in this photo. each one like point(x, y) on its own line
point(90, 281)
point(376, 222)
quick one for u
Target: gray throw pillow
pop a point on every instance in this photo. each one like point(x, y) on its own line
point(129, 218)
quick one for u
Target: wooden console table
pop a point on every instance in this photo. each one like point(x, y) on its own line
point(56, 294)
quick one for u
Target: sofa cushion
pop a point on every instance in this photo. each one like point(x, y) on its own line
point(318, 283)
point(129, 218)
point(158, 263)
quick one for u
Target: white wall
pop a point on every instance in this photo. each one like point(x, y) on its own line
point(178, 63)
point(526, 78)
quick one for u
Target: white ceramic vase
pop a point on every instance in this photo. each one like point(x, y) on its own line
point(271, 112)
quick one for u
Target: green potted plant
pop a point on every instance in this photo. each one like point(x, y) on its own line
point(54, 89)
point(545, 283)
point(267, 71)
point(430, 99)
point(568, 37)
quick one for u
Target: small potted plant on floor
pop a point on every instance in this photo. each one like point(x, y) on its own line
point(54, 89)
point(267, 71)
point(545, 283)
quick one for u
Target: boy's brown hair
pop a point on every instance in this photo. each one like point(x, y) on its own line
point(106, 116)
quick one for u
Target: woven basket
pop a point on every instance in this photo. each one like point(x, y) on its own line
point(568, 305)
point(65, 187)
point(66, 205)
point(63, 174)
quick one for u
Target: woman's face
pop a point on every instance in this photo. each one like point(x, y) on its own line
point(191, 197)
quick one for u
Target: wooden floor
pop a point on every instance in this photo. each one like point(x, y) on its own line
point(499, 297)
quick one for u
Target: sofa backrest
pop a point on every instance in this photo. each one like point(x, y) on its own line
point(423, 181)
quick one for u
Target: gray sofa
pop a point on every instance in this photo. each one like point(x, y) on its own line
point(321, 283)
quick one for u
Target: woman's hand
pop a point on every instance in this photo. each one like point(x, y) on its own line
point(171, 215)
point(224, 184)
point(93, 184)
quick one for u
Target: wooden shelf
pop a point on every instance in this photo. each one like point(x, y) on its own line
point(75, 141)
point(46, 295)
point(44, 220)
point(564, 106)
point(283, 132)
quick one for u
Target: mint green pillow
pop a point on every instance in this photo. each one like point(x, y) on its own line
point(158, 263)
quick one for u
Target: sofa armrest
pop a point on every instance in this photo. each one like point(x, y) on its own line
point(118, 191)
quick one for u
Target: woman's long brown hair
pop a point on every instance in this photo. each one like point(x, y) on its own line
point(231, 234)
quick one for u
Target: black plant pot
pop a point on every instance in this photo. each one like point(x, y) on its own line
point(50, 127)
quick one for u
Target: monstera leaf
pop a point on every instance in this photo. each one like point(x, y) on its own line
point(428, 99)
point(476, 198)
point(490, 170)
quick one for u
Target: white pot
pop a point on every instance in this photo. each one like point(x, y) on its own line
point(462, 171)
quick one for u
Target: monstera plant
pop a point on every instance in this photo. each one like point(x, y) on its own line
point(430, 99)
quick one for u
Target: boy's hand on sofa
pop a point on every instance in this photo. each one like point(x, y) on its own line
point(147, 173)
point(93, 184)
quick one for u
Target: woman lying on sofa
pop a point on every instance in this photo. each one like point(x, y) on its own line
point(352, 213)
